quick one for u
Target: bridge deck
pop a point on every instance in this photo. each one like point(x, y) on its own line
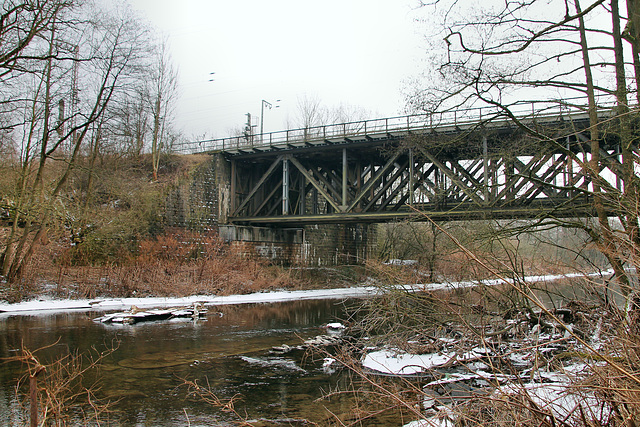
point(472, 164)
point(379, 130)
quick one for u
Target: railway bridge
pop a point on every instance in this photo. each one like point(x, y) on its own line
point(460, 165)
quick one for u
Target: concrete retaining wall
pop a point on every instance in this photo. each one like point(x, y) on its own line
point(339, 244)
point(202, 202)
point(278, 245)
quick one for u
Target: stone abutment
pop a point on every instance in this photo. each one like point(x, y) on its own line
point(202, 201)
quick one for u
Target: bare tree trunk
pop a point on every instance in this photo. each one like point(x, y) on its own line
point(155, 144)
point(92, 161)
point(434, 248)
point(163, 94)
point(606, 244)
point(13, 258)
point(629, 214)
point(632, 33)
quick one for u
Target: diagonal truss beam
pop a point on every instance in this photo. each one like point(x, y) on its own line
point(519, 180)
point(259, 184)
point(469, 191)
point(268, 198)
point(541, 184)
point(374, 180)
point(323, 180)
point(390, 183)
point(307, 174)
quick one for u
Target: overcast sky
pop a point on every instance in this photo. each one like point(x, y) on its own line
point(352, 52)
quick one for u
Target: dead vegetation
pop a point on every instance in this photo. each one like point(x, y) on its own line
point(177, 263)
point(560, 353)
point(61, 392)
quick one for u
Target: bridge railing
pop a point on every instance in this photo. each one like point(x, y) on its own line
point(361, 129)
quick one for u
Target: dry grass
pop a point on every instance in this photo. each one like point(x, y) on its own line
point(65, 389)
point(529, 336)
point(582, 328)
point(178, 263)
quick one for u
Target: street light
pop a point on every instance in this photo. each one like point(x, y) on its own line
point(269, 106)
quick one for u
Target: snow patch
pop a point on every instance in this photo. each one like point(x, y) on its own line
point(328, 365)
point(336, 326)
point(400, 363)
point(401, 262)
point(103, 304)
point(564, 402)
point(444, 417)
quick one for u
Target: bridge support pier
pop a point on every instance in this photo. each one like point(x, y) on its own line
point(278, 245)
point(313, 245)
point(339, 244)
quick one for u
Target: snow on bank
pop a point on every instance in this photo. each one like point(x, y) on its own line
point(400, 363)
point(567, 404)
point(560, 399)
point(103, 304)
point(446, 418)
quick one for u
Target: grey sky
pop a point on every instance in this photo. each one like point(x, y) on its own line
point(355, 52)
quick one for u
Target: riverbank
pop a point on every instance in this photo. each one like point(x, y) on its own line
point(50, 304)
point(527, 354)
point(468, 352)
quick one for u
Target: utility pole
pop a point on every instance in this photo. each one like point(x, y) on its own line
point(269, 106)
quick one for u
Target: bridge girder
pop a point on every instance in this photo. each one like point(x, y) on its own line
point(496, 173)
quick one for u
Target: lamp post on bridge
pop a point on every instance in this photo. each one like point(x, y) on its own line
point(269, 105)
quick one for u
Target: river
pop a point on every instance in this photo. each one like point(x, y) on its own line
point(230, 349)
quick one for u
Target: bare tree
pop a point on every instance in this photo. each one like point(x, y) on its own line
point(131, 125)
point(22, 22)
point(309, 113)
point(143, 116)
point(311, 116)
point(163, 94)
point(500, 54)
point(104, 47)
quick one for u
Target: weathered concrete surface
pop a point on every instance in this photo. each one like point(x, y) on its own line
point(202, 201)
point(278, 245)
point(339, 244)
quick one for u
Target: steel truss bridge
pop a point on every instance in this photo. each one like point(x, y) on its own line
point(471, 164)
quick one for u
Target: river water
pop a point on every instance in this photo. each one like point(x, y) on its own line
point(231, 349)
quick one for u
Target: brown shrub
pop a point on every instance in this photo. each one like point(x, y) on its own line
point(177, 263)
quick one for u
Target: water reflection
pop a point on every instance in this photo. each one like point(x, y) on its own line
point(230, 349)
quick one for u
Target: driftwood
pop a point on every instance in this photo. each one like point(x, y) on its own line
point(135, 315)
